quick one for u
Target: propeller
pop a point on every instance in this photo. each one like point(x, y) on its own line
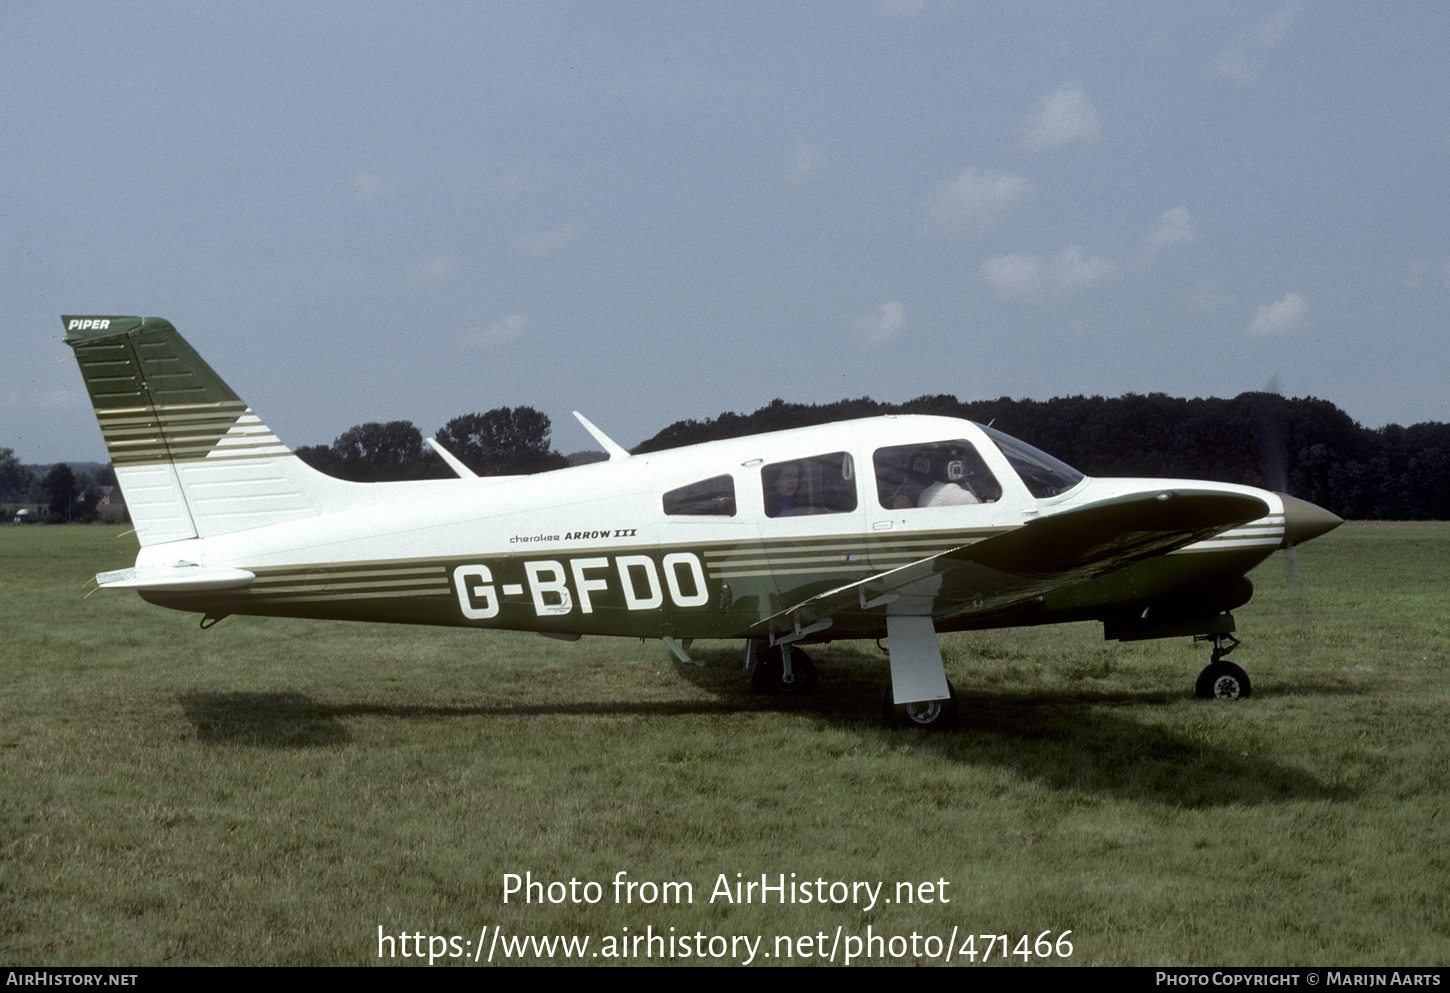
point(1276, 465)
point(1302, 519)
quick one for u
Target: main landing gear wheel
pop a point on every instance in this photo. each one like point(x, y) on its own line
point(935, 715)
point(1223, 681)
point(770, 675)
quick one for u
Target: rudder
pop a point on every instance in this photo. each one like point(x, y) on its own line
point(191, 457)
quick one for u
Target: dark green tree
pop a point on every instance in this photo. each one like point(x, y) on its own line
point(374, 452)
point(14, 477)
point(506, 441)
point(60, 489)
point(321, 458)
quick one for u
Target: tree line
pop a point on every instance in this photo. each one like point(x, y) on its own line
point(61, 493)
point(505, 441)
point(1304, 446)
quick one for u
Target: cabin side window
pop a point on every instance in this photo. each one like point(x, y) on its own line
point(713, 497)
point(935, 474)
point(819, 484)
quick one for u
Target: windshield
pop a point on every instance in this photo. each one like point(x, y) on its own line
point(1044, 475)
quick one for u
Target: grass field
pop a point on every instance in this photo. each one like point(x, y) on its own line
point(274, 791)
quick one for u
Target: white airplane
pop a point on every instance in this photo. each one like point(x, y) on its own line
point(898, 526)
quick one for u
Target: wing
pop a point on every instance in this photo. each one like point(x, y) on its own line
point(1046, 554)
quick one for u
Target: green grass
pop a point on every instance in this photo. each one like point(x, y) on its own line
point(271, 791)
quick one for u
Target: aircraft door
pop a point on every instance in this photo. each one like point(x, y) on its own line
point(929, 496)
point(811, 520)
point(706, 583)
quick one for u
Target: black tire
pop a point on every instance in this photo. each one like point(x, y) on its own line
point(1223, 681)
point(769, 674)
point(930, 715)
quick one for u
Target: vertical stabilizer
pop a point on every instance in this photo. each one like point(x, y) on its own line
point(192, 459)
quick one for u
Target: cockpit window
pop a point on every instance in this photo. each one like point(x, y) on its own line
point(819, 484)
point(934, 474)
point(713, 497)
point(1044, 475)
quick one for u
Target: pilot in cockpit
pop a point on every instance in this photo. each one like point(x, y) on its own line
point(937, 477)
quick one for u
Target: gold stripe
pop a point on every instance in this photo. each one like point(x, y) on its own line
point(403, 594)
point(327, 586)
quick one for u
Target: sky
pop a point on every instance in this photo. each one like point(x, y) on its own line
point(656, 211)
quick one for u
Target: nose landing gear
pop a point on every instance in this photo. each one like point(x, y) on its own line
point(1220, 679)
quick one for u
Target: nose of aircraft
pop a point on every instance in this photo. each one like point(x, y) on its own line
point(1303, 521)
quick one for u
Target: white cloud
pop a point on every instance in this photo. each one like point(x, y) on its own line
point(1024, 276)
point(884, 324)
point(1279, 317)
point(1233, 65)
point(974, 201)
point(1272, 31)
point(507, 329)
point(439, 270)
point(1075, 271)
point(543, 242)
point(1175, 227)
point(808, 159)
point(1017, 275)
point(1060, 118)
point(1239, 63)
point(1421, 269)
point(369, 187)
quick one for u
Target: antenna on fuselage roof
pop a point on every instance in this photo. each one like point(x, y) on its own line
point(615, 450)
point(454, 462)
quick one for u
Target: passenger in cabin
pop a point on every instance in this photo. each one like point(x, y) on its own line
point(780, 498)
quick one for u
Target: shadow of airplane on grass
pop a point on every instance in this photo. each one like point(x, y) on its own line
point(1067, 740)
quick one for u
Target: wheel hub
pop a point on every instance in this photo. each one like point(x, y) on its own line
point(923, 713)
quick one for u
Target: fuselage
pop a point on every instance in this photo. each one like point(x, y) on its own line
point(707, 541)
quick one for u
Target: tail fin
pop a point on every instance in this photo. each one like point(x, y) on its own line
point(191, 458)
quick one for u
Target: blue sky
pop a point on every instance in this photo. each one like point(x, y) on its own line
point(653, 211)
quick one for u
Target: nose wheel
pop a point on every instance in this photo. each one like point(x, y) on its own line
point(1221, 679)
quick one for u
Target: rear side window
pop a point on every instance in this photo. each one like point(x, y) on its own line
point(818, 484)
point(713, 497)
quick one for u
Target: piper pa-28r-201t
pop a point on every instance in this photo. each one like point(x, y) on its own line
point(899, 527)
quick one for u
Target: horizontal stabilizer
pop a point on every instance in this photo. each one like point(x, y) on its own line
point(183, 576)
